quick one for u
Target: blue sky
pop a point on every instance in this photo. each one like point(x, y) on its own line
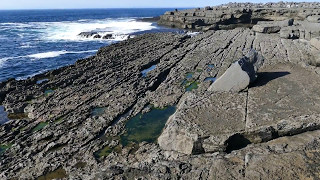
point(67, 4)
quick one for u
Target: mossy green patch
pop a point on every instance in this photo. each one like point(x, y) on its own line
point(4, 147)
point(24, 128)
point(189, 83)
point(40, 126)
point(60, 119)
point(48, 92)
point(17, 115)
point(146, 127)
point(57, 174)
point(192, 85)
point(199, 70)
point(80, 165)
point(103, 152)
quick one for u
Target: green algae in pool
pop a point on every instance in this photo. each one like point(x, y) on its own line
point(191, 86)
point(57, 174)
point(105, 151)
point(187, 79)
point(146, 127)
point(98, 111)
point(4, 147)
point(40, 126)
point(189, 75)
point(48, 92)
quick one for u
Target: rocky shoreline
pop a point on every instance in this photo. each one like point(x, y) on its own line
point(144, 107)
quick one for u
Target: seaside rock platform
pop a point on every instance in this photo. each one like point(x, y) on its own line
point(239, 14)
point(90, 120)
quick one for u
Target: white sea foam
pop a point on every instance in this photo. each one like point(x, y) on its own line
point(31, 75)
point(69, 30)
point(51, 54)
point(26, 45)
point(120, 28)
point(56, 54)
point(47, 54)
point(192, 34)
point(2, 61)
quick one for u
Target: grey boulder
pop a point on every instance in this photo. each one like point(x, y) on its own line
point(266, 28)
point(314, 18)
point(239, 75)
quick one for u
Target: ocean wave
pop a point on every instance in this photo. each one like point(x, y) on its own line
point(53, 54)
point(31, 75)
point(69, 30)
point(44, 55)
point(26, 45)
point(2, 61)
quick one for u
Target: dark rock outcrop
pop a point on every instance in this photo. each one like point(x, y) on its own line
point(88, 34)
point(108, 36)
point(234, 14)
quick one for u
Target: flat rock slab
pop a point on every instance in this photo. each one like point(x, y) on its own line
point(298, 155)
point(285, 100)
point(204, 122)
point(266, 28)
point(315, 42)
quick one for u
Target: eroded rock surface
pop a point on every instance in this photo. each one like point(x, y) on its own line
point(241, 14)
point(71, 126)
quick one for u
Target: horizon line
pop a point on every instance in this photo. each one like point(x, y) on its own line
point(99, 8)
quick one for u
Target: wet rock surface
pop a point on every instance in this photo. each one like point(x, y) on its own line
point(73, 124)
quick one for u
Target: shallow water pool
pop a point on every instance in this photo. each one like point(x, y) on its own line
point(146, 127)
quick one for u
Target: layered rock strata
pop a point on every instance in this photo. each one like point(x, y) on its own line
point(243, 14)
point(62, 125)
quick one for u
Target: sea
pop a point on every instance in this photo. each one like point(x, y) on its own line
point(36, 41)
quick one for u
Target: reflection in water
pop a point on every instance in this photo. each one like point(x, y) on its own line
point(212, 79)
point(146, 127)
point(42, 80)
point(145, 72)
point(3, 115)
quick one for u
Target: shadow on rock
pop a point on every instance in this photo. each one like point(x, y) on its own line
point(266, 77)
